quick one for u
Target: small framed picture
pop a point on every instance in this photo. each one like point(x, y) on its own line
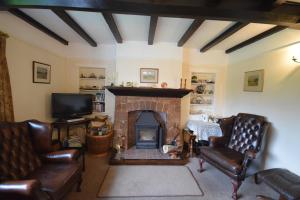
point(148, 75)
point(254, 81)
point(41, 72)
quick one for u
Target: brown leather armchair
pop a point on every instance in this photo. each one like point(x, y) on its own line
point(29, 168)
point(232, 153)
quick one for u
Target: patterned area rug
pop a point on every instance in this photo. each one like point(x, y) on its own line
point(149, 181)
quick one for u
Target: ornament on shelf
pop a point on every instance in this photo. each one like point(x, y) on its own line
point(181, 83)
point(164, 85)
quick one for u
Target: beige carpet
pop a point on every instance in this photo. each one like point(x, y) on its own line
point(149, 181)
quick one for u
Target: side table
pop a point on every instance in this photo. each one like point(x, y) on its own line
point(65, 124)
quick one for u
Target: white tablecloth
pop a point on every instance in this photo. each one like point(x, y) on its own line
point(203, 130)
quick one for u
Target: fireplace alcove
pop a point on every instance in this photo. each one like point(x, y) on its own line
point(164, 104)
point(146, 129)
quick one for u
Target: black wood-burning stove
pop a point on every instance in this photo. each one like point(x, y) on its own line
point(149, 133)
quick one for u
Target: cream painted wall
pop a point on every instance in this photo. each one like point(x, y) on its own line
point(32, 100)
point(279, 101)
point(210, 62)
point(131, 56)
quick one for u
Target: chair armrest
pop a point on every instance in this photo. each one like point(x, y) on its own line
point(250, 155)
point(24, 188)
point(215, 141)
point(64, 156)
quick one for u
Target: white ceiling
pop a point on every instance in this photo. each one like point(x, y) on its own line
point(136, 28)
point(171, 29)
point(95, 25)
point(133, 27)
point(206, 32)
point(245, 33)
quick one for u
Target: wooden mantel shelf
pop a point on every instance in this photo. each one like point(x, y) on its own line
point(148, 92)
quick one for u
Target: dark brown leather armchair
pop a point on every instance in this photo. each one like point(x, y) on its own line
point(29, 168)
point(232, 153)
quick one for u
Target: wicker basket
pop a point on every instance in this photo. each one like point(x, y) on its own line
point(97, 144)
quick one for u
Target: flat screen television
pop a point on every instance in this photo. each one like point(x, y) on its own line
point(68, 105)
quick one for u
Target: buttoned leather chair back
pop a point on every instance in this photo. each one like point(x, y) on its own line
point(17, 156)
point(247, 133)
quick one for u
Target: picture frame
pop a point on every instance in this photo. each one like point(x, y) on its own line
point(149, 75)
point(254, 81)
point(41, 72)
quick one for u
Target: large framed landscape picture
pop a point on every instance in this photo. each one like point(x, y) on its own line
point(41, 72)
point(254, 81)
point(149, 75)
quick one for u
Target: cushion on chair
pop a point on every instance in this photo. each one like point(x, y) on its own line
point(17, 157)
point(226, 158)
point(56, 178)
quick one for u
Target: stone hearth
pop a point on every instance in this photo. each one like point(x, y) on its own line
point(126, 104)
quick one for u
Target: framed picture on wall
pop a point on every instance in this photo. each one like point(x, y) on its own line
point(254, 81)
point(41, 72)
point(148, 75)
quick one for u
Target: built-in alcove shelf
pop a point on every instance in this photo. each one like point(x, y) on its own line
point(148, 92)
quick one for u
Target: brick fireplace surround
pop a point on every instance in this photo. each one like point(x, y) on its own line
point(126, 104)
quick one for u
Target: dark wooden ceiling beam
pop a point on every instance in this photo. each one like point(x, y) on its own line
point(152, 29)
point(99, 5)
point(18, 13)
point(230, 31)
point(68, 20)
point(230, 10)
point(113, 26)
point(212, 3)
point(190, 31)
point(256, 38)
point(84, 5)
